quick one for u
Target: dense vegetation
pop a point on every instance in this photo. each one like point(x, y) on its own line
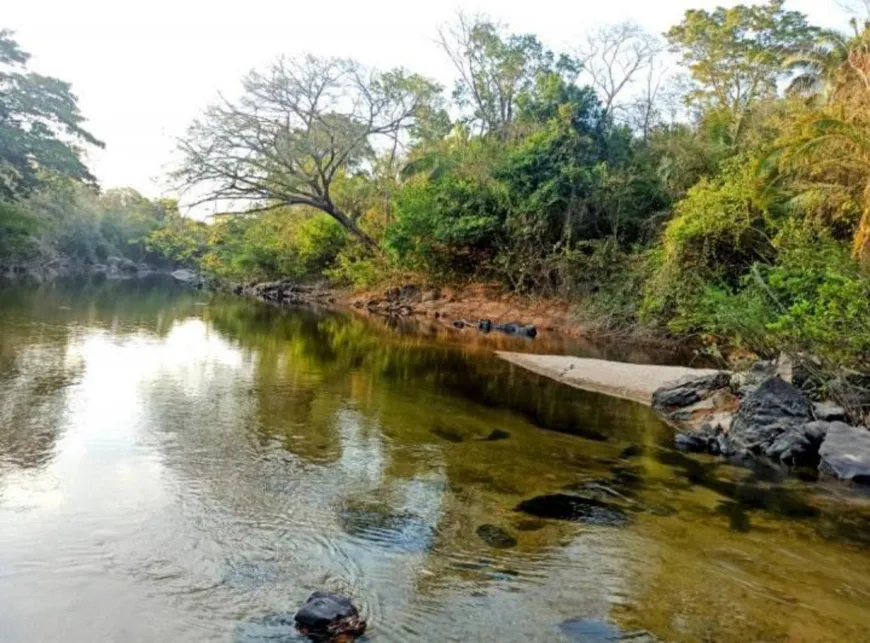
point(726, 199)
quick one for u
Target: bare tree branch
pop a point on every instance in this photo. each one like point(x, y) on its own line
point(297, 126)
point(615, 57)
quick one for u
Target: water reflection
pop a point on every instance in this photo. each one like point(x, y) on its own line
point(178, 465)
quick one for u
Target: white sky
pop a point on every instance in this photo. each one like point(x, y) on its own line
point(143, 70)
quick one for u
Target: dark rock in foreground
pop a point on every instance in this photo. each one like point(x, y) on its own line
point(327, 616)
point(776, 407)
point(799, 445)
point(495, 536)
point(845, 452)
point(561, 506)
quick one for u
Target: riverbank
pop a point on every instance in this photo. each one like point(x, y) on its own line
point(473, 308)
point(636, 382)
point(760, 414)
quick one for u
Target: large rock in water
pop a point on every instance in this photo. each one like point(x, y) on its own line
point(326, 616)
point(799, 445)
point(845, 452)
point(773, 409)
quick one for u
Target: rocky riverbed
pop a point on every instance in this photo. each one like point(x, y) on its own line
point(769, 413)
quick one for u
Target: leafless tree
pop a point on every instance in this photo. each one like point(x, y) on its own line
point(615, 57)
point(296, 128)
point(648, 106)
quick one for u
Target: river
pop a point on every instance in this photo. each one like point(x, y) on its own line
point(176, 466)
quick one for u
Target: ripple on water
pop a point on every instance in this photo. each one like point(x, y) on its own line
point(386, 527)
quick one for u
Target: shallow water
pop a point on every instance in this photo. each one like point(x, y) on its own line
point(176, 466)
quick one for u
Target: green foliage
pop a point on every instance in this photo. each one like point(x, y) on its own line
point(269, 245)
point(449, 223)
point(719, 230)
point(40, 124)
point(814, 299)
point(18, 231)
point(496, 69)
point(736, 56)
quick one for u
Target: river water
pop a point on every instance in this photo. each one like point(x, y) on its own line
point(178, 466)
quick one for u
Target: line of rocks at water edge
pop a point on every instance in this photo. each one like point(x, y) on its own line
point(763, 413)
point(286, 292)
point(410, 300)
point(114, 268)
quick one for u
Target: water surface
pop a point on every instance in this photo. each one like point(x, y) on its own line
point(175, 466)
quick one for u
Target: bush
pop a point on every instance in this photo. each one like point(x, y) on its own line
point(718, 232)
point(813, 299)
point(18, 231)
point(450, 224)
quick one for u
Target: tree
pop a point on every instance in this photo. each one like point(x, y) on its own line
point(495, 69)
point(614, 57)
point(297, 128)
point(817, 65)
point(40, 124)
point(736, 55)
point(553, 177)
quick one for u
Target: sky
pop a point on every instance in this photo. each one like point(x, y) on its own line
point(143, 70)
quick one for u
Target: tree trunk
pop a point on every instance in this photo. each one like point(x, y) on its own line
point(861, 240)
point(351, 226)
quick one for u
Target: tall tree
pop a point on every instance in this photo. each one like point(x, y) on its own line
point(495, 68)
point(824, 65)
point(298, 128)
point(736, 55)
point(40, 125)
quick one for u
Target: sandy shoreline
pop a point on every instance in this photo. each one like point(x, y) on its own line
point(635, 382)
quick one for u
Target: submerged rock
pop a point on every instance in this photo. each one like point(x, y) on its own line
point(496, 435)
point(631, 451)
point(530, 524)
point(495, 536)
point(776, 407)
point(845, 452)
point(561, 506)
point(738, 518)
point(328, 616)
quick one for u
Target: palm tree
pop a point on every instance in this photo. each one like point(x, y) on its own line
point(824, 67)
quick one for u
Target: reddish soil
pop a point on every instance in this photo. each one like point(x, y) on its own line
point(469, 303)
